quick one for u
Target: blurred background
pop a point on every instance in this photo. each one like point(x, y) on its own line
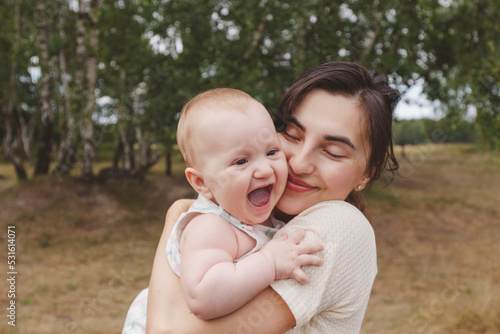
point(90, 93)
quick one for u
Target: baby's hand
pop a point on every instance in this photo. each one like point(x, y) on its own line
point(288, 255)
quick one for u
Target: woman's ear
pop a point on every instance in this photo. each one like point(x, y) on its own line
point(196, 181)
point(363, 182)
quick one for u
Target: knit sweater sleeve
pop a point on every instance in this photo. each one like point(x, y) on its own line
point(335, 299)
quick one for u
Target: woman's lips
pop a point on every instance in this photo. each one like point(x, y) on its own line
point(297, 185)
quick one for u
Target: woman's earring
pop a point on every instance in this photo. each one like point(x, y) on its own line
point(360, 187)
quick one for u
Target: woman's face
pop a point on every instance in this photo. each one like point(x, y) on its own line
point(326, 150)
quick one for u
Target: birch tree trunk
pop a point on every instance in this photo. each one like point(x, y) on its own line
point(8, 134)
point(256, 38)
point(66, 154)
point(27, 132)
point(144, 151)
point(79, 75)
point(13, 131)
point(13, 148)
point(127, 159)
point(127, 148)
point(146, 159)
point(46, 133)
point(86, 122)
point(168, 160)
point(371, 37)
point(12, 94)
point(144, 147)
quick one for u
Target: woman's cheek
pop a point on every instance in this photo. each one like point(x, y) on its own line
point(285, 146)
point(335, 179)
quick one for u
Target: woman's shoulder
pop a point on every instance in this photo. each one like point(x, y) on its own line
point(340, 288)
point(340, 207)
point(333, 211)
point(338, 216)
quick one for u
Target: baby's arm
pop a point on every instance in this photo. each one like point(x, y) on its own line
point(214, 286)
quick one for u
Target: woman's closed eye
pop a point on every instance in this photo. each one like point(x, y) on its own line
point(289, 136)
point(291, 133)
point(333, 155)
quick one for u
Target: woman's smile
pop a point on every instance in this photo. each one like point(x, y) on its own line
point(297, 185)
point(325, 149)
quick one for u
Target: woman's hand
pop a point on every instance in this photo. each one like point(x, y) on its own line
point(164, 285)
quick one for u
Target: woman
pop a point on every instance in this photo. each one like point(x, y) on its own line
point(335, 123)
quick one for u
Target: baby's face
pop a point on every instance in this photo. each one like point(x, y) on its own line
point(241, 162)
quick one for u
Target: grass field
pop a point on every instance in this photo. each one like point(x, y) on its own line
point(84, 251)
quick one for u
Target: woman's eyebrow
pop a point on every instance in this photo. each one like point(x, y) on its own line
point(341, 139)
point(292, 119)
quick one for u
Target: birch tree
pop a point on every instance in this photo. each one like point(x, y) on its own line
point(150, 56)
point(46, 131)
point(125, 81)
point(86, 121)
point(16, 141)
point(66, 153)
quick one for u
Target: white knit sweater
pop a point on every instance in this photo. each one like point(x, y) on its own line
point(335, 299)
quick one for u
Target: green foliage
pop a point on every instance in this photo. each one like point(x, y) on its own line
point(464, 71)
point(155, 55)
point(445, 130)
point(452, 130)
point(409, 132)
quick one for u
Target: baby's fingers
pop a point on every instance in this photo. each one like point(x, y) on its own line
point(300, 276)
point(297, 236)
point(310, 260)
point(283, 236)
point(310, 247)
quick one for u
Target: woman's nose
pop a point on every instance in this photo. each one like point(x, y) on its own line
point(300, 161)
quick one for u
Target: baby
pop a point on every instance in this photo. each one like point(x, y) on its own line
point(234, 162)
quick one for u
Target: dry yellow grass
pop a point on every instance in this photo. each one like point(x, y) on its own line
point(84, 252)
point(438, 237)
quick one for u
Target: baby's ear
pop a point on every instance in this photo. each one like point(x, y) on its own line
point(196, 181)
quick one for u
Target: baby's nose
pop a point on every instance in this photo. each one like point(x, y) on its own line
point(263, 171)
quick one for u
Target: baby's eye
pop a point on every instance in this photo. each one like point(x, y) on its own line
point(240, 162)
point(272, 152)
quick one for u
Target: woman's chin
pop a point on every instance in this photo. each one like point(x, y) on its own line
point(291, 207)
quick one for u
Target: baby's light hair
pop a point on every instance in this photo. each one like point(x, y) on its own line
point(207, 102)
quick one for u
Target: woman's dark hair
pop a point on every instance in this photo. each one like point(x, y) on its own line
point(376, 98)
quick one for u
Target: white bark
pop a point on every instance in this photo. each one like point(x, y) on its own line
point(86, 122)
point(66, 155)
point(371, 37)
point(45, 143)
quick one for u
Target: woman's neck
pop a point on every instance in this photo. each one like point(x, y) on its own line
point(280, 215)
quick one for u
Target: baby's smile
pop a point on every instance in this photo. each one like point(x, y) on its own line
point(260, 196)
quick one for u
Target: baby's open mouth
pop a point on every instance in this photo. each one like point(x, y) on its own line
point(260, 196)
